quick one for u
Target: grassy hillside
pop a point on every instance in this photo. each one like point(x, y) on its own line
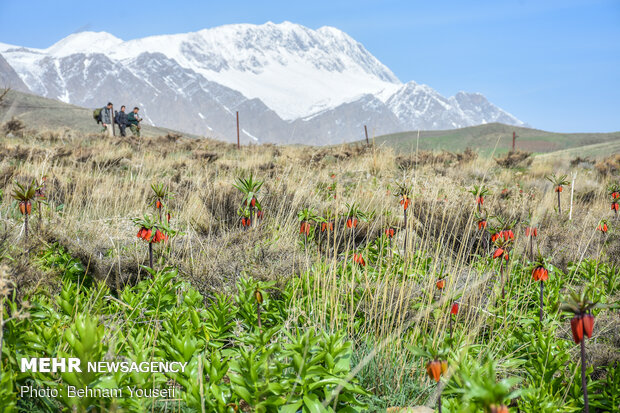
point(490, 137)
point(595, 151)
point(285, 314)
point(39, 112)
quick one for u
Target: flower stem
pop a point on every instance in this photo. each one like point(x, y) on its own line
point(406, 232)
point(258, 314)
point(501, 273)
point(542, 286)
point(151, 255)
point(583, 376)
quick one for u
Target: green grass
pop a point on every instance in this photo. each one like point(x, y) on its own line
point(493, 137)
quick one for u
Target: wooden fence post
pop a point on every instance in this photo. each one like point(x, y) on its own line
point(238, 143)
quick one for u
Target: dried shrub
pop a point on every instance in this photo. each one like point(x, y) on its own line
point(444, 158)
point(514, 159)
point(6, 175)
point(173, 137)
point(205, 156)
point(579, 161)
point(609, 165)
point(14, 126)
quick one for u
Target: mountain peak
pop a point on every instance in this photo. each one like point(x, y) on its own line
point(84, 42)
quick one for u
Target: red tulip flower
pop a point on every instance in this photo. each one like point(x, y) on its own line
point(142, 233)
point(577, 328)
point(531, 232)
point(615, 195)
point(508, 234)
point(588, 324)
point(498, 253)
point(540, 273)
point(581, 324)
point(327, 226)
point(405, 202)
point(498, 409)
point(614, 206)
point(559, 188)
point(357, 258)
point(304, 228)
point(479, 200)
point(25, 207)
point(441, 284)
point(159, 237)
point(482, 224)
point(390, 232)
point(158, 204)
point(352, 222)
point(602, 227)
point(455, 309)
point(436, 368)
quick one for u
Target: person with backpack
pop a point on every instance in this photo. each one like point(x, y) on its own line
point(107, 117)
point(121, 120)
point(134, 122)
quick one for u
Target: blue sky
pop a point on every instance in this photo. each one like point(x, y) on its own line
point(553, 64)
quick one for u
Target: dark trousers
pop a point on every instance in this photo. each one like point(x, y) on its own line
point(122, 129)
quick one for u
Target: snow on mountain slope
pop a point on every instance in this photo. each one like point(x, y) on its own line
point(83, 42)
point(290, 83)
point(421, 107)
point(275, 63)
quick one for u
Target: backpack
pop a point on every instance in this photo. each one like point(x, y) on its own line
point(97, 115)
point(116, 119)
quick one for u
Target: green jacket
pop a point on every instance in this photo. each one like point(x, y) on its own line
point(132, 119)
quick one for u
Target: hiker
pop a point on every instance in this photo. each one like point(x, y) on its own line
point(121, 120)
point(107, 119)
point(134, 122)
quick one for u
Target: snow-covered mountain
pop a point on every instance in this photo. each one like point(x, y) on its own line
point(421, 107)
point(289, 83)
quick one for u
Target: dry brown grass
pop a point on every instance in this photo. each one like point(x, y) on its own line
point(103, 182)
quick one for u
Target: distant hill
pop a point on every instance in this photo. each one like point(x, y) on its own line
point(40, 112)
point(484, 139)
point(597, 150)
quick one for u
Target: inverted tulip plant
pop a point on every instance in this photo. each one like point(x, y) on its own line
point(152, 231)
point(479, 192)
point(581, 323)
point(540, 274)
point(251, 209)
point(559, 182)
point(25, 195)
point(403, 194)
